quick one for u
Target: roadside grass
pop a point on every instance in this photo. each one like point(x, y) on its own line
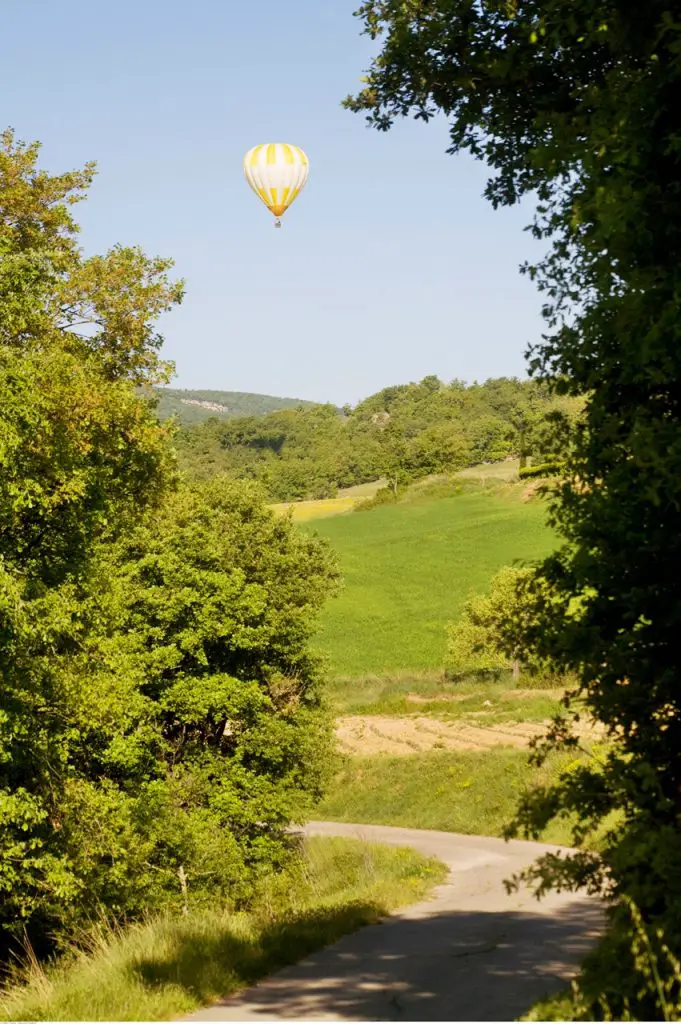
point(169, 966)
point(409, 568)
point(430, 693)
point(562, 1007)
point(470, 792)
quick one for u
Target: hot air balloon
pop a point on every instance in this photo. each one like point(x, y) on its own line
point(277, 173)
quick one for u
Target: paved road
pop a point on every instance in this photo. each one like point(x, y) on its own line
point(470, 953)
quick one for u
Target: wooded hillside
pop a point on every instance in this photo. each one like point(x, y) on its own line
point(401, 433)
point(197, 406)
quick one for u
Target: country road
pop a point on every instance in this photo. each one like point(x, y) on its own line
point(470, 953)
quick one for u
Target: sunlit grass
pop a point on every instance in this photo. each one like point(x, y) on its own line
point(301, 511)
point(169, 966)
point(348, 498)
point(470, 792)
point(408, 570)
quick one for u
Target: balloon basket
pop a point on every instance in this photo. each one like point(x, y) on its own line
point(277, 223)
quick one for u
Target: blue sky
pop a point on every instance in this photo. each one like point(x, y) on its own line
point(390, 266)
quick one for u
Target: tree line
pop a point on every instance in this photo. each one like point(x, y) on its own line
point(402, 433)
point(573, 104)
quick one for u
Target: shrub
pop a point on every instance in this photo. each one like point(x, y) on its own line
point(543, 469)
point(483, 641)
point(383, 496)
point(178, 711)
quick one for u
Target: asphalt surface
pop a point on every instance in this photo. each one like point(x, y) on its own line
point(470, 953)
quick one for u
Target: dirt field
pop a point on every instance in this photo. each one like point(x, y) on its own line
point(367, 735)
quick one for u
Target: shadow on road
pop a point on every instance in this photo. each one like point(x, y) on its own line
point(457, 966)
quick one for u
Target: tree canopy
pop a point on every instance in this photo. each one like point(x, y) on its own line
point(575, 103)
point(401, 433)
point(160, 720)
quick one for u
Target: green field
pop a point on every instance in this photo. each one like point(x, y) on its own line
point(412, 693)
point(408, 569)
point(470, 792)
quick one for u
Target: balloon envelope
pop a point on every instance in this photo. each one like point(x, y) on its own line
point(277, 173)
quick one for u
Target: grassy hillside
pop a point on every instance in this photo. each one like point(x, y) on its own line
point(409, 568)
point(223, 404)
point(471, 792)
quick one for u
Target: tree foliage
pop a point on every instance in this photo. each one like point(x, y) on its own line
point(576, 103)
point(488, 638)
point(401, 433)
point(160, 721)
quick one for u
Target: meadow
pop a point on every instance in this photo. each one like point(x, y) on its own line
point(409, 567)
point(423, 753)
point(471, 792)
point(321, 508)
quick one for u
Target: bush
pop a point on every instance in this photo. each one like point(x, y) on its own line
point(383, 496)
point(184, 721)
point(483, 641)
point(543, 469)
point(475, 642)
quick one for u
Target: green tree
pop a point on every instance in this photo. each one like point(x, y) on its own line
point(160, 721)
point(219, 737)
point(394, 456)
point(576, 103)
point(490, 636)
point(75, 335)
point(477, 644)
point(81, 459)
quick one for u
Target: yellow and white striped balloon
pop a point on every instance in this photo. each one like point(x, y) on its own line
point(277, 173)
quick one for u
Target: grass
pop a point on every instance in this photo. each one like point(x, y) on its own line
point(410, 567)
point(470, 792)
point(322, 508)
point(504, 471)
point(302, 511)
point(559, 1007)
point(170, 966)
point(412, 693)
point(361, 491)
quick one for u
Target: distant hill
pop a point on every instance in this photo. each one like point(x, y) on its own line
point(403, 433)
point(196, 406)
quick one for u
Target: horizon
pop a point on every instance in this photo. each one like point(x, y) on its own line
point(340, 405)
